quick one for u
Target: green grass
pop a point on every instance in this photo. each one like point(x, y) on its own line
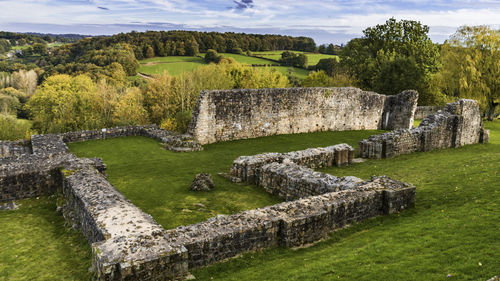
point(174, 65)
point(157, 180)
point(36, 245)
point(312, 58)
point(243, 59)
point(454, 228)
point(297, 72)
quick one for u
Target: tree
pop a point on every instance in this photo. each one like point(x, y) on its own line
point(375, 57)
point(332, 49)
point(150, 52)
point(330, 66)
point(213, 56)
point(471, 66)
point(322, 49)
point(301, 61)
point(40, 48)
point(25, 81)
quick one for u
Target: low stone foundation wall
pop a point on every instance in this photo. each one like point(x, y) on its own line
point(246, 168)
point(458, 124)
point(291, 181)
point(127, 244)
point(289, 224)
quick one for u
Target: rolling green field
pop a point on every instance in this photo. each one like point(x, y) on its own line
point(453, 230)
point(176, 65)
point(312, 58)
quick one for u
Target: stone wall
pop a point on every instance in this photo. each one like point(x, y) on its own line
point(291, 181)
point(290, 224)
point(239, 114)
point(246, 168)
point(424, 111)
point(127, 244)
point(14, 148)
point(458, 124)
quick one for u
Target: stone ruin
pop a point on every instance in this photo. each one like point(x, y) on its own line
point(127, 244)
point(224, 115)
point(458, 124)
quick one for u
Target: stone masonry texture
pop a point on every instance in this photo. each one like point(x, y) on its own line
point(224, 115)
point(458, 124)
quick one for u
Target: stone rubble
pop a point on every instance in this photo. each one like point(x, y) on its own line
point(202, 182)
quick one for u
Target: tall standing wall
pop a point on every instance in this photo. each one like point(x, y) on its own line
point(224, 115)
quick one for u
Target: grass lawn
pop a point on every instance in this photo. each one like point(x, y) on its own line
point(157, 180)
point(454, 228)
point(36, 245)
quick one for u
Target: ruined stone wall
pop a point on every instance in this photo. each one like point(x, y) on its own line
point(14, 148)
point(291, 181)
point(239, 114)
point(458, 124)
point(127, 244)
point(246, 168)
point(424, 111)
point(289, 224)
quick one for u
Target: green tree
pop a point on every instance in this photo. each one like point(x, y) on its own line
point(212, 56)
point(471, 66)
point(375, 58)
point(40, 48)
point(150, 52)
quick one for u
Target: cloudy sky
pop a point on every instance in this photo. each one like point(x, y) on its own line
point(334, 21)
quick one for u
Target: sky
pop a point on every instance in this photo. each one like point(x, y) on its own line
point(327, 21)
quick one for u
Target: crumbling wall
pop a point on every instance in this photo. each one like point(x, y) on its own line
point(127, 244)
point(238, 114)
point(458, 124)
point(289, 224)
point(424, 111)
point(246, 168)
point(14, 148)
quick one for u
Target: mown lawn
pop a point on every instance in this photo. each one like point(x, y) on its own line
point(243, 59)
point(36, 245)
point(158, 181)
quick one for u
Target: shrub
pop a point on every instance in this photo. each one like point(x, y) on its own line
point(9, 105)
point(13, 129)
point(213, 56)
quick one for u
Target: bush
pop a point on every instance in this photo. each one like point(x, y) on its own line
point(9, 105)
point(14, 129)
point(213, 56)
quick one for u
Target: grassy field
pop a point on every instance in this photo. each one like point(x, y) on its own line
point(176, 65)
point(137, 167)
point(453, 229)
point(312, 58)
point(297, 72)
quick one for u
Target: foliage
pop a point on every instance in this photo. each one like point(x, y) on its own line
point(5, 46)
point(321, 79)
point(25, 81)
point(9, 105)
point(471, 66)
point(12, 128)
point(5, 80)
point(392, 57)
point(120, 53)
point(129, 109)
point(213, 56)
point(294, 59)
